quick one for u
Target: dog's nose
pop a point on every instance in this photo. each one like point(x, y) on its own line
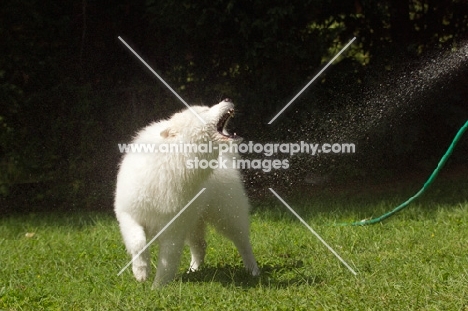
point(228, 100)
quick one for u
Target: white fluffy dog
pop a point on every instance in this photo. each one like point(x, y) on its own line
point(153, 187)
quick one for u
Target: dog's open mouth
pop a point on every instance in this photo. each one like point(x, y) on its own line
point(222, 124)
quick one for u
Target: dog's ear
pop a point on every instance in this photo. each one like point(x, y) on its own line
point(168, 133)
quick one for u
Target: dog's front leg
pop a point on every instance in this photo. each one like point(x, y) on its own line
point(170, 250)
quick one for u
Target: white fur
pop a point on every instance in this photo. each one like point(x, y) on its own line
point(153, 187)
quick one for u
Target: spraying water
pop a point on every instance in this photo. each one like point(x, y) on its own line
point(404, 94)
point(379, 107)
point(394, 106)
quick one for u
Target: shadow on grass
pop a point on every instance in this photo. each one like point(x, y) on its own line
point(362, 203)
point(278, 276)
point(17, 224)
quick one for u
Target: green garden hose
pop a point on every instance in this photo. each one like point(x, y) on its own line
point(429, 181)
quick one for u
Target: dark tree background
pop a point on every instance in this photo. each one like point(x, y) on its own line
point(70, 90)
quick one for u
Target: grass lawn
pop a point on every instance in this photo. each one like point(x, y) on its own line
point(416, 260)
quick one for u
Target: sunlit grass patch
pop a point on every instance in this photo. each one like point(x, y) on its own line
point(416, 260)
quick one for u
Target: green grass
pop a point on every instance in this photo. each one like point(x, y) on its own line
point(417, 260)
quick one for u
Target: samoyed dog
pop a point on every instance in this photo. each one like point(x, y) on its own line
point(153, 187)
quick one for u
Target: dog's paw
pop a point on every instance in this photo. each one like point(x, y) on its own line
point(254, 271)
point(194, 266)
point(140, 273)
